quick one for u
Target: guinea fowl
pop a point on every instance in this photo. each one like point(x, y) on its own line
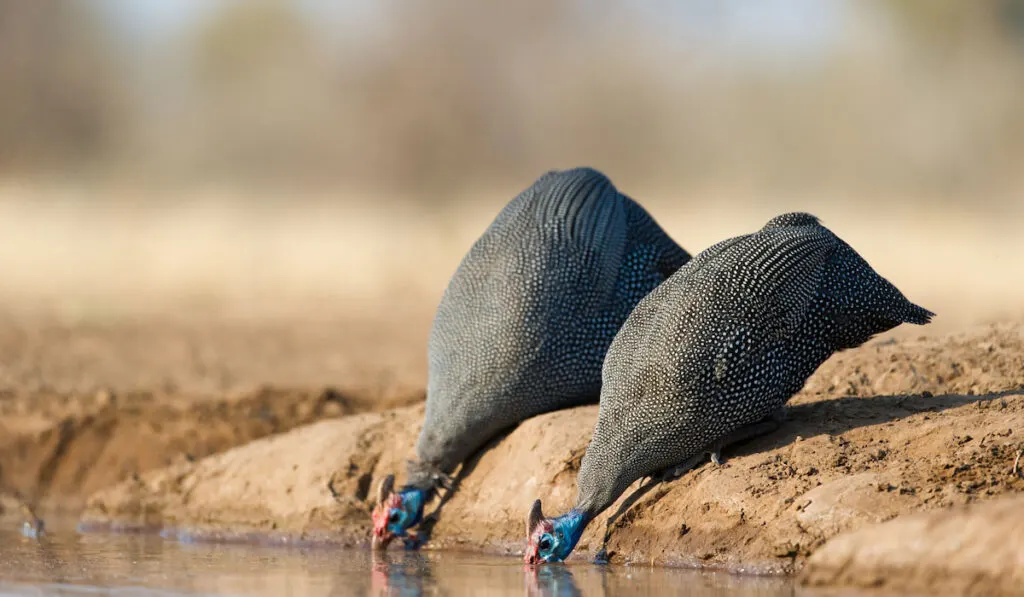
point(525, 322)
point(710, 355)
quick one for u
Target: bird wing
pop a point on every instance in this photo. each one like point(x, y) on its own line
point(744, 296)
point(644, 230)
point(774, 277)
point(580, 207)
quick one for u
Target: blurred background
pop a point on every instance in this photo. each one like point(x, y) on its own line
point(325, 159)
point(221, 219)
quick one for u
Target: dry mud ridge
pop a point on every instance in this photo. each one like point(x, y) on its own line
point(85, 405)
point(975, 550)
point(893, 428)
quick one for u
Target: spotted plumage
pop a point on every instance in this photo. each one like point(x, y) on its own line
point(528, 316)
point(720, 346)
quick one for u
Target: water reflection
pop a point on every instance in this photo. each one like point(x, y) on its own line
point(401, 576)
point(551, 581)
point(413, 574)
point(60, 563)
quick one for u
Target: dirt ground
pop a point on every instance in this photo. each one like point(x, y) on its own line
point(85, 405)
point(974, 550)
point(220, 369)
point(891, 428)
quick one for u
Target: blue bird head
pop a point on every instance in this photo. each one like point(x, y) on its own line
point(552, 539)
point(396, 511)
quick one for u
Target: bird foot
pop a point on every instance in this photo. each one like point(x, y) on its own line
point(714, 451)
point(679, 471)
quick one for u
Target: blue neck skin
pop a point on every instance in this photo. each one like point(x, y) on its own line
point(569, 525)
point(413, 500)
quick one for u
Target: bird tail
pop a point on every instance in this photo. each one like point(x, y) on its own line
point(918, 315)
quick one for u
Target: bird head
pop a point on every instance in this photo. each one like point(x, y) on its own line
point(552, 539)
point(396, 511)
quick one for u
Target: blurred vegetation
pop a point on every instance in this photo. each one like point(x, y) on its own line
point(916, 98)
point(61, 97)
point(951, 24)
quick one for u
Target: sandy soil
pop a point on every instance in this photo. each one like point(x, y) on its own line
point(136, 337)
point(84, 405)
point(975, 550)
point(892, 428)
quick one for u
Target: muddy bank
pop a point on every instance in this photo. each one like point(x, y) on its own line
point(87, 403)
point(975, 550)
point(889, 429)
point(55, 463)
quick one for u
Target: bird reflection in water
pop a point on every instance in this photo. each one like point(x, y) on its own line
point(550, 581)
point(404, 575)
point(412, 574)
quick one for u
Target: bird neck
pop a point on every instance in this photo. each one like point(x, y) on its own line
point(571, 524)
point(413, 500)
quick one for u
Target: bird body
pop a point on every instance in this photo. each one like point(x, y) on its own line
point(526, 319)
point(721, 345)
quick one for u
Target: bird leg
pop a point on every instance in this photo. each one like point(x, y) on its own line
point(714, 451)
point(766, 425)
point(443, 481)
point(681, 469)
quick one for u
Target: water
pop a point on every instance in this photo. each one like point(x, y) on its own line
point(69, 563)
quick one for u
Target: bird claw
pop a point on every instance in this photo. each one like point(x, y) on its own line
point(716, 456)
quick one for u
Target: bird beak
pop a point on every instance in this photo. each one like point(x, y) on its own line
point(531, 556)
point(381, 535)
point(381, 540)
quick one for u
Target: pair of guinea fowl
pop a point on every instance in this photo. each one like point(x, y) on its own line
point(575, 293)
